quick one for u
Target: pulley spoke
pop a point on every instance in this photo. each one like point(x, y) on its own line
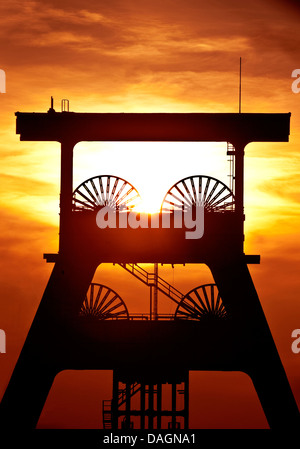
point(103, 303)
point(90, 195)
point(201, 303)
point(195, 190)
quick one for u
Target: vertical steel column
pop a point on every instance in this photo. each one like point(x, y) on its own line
point(239, 190)
point(174, 392)
point(159, 400)
point(66, 191)
point(155, 291)
point(151, 302)
point(142, 401)
point(127, 405)
point(150, 406)
point(114, 402)
point(186, 401)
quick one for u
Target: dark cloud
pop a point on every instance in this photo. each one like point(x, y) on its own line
point(149, 33)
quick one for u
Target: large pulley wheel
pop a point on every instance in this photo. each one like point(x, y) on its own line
point(106, 190)
point(201, 303)
point(103, 303)
point(198, 190)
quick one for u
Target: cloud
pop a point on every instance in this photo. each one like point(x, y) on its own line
point(155, 35)
point(29, 199)
point(21, 185)
point(33, 24)
point(284, 187)
point(39, 15)
point(57, 38)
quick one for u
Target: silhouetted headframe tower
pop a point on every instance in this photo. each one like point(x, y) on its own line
point(82, 325)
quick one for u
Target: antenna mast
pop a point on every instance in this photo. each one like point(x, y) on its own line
point(240, 87)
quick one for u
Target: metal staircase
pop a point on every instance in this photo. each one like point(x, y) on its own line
point(107, 404)
point(106, 414)
point(151, 279)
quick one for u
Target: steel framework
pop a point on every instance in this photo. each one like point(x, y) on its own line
point(168, 349)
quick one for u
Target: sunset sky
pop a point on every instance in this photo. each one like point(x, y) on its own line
point(149, 56)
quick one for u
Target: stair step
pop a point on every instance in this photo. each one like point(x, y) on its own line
point(149, 279)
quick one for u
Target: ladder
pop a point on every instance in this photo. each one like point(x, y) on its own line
point(107, 404)
point(231, 154)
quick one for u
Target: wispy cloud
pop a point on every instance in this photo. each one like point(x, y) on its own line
point(284, 187)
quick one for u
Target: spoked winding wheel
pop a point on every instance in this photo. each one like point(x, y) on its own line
point(213, 194)
point(105, 190)
point(203, 302)
point(103, 303)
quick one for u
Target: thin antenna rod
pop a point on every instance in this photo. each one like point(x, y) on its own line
point(240, 87)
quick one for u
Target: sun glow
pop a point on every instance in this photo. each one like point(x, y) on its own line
point(151, 167)
point(148, 205)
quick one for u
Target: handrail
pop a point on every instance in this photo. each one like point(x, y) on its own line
point(149, 279)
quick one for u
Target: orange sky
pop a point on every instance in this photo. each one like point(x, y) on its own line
point(148, 56)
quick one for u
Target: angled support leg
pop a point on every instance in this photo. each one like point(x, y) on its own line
point(41, 357)
point(258, 354)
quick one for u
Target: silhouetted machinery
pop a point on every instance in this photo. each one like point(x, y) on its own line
point(84, 325)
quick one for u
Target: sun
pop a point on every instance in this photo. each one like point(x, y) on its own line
point(148, 203)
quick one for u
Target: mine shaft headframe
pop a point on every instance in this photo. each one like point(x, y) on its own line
point(105, 190)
